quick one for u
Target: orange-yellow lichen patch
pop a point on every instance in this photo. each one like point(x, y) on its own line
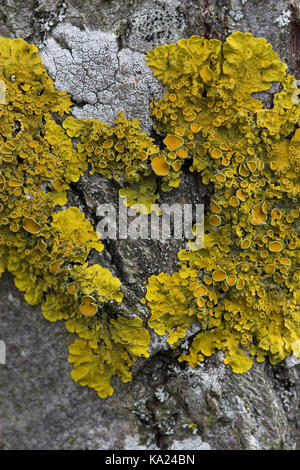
point(245, 243)
point(182, 152)
point(176, 165)
point(265, 207)
point(142, 155)
point(270, 269)
point(160, 166)
point(243, 171)
point(88, 306)
point(214, 207)
point(215, 220)
point(107, 144)
point(234, 202)
point(231, 280)
point(221, 177)
point(173, 142)
point(38, 162)
point(207, 280)
point(252, 166)
point(215, 153)
point(195, 128)
point(41, 245)
point(200, 291)
point(200, 302)
point(72, 288)
point(258, 216)
point(276, 214)
point(190, 117)
point(275, 246)
point(31, 226)
point(55, 266)
point(240, 195)
point(15, 183)
point(219, 275)
point(14, 227)
point(58, 185)
point(240, 284)
point(232, 144)
point(285, 261)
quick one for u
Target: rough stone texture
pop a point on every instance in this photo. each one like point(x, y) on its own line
point(95, 50)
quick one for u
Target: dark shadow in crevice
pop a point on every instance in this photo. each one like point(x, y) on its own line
point(267, 97)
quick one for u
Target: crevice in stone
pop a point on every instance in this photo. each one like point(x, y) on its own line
point(116, 259)
point(77, 102)
point(267, 97)
point(76, 191)
point(61, 40)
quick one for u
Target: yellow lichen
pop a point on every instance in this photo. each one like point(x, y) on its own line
point(160, 166)
point(44, 247)
point(207, 116)
point(118, 344)
point(88, 306)
point(251, 154)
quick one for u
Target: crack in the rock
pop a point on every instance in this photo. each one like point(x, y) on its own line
point(78, 102)
point(76, 191)
point(55, 64)
point(110, 245)
point(61, 40)
point(116, 260)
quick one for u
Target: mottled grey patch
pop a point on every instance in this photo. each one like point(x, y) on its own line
point(153, 23)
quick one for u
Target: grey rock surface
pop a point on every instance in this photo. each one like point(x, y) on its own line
point(95, 50)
